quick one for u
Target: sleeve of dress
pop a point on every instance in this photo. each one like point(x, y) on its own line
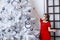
point(49, 24)
point(41, 20)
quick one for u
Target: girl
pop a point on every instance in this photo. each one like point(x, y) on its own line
point(45, 27)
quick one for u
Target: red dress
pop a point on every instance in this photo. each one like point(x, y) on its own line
point(44, 33)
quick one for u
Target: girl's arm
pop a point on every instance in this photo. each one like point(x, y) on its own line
point(51, 30)
point(36, 13)
point(35, 10)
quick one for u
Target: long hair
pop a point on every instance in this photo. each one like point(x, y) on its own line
point(47, 16)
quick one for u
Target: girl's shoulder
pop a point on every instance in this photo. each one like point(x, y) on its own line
point(49, 24)
point(41, 19)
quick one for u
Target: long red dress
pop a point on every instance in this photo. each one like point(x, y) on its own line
point(44, 33)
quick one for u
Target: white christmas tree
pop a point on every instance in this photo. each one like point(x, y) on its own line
point(16, 21)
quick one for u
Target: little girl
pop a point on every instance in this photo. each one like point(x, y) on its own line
point(45, 27)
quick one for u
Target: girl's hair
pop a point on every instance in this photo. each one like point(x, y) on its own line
point(47, 16)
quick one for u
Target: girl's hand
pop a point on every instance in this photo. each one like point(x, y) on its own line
point(54, 30)
point(51, 30)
